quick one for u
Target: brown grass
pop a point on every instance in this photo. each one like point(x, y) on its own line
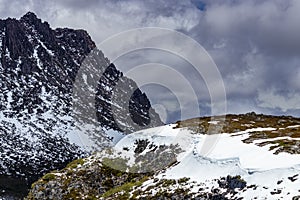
point(236, 123)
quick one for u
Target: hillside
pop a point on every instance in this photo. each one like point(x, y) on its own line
point(251, 157)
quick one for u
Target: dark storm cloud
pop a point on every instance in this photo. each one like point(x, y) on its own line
point(256, 46)
point(255, 43)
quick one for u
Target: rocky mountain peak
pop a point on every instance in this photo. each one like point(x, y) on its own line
point(38, 68)
point(30, 16)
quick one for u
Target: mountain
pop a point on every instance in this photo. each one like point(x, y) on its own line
point(41, 129)
point(253, 156)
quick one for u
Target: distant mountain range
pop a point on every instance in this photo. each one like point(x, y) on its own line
point(38, 67)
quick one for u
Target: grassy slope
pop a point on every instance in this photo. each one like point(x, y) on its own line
point(285, 126)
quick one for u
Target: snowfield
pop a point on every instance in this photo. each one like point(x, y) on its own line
point(274, 176)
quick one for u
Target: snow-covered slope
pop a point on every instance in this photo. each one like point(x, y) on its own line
point(256, 165)
point(173, 158)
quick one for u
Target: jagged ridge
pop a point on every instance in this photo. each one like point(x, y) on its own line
point(38, 66)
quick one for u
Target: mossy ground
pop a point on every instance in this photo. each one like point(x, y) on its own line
point(85, 179)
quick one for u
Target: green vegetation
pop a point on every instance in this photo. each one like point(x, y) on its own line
point(75, 163)
point(123, 191)
point(48, 177)
point(116, 163)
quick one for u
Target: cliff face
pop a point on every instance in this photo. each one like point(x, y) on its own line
point(36, 72)
point(38, 68)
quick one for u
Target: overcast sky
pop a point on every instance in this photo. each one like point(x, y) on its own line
point(254, 43)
